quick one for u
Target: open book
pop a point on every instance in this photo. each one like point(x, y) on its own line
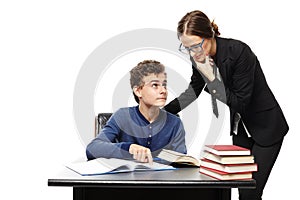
point(113, 165)
point(178, 159)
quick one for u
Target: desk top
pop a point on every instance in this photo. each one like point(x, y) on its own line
point(181, 177)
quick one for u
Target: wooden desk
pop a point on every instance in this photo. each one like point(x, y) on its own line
point(181, 184)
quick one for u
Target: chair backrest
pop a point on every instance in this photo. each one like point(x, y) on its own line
point(100, 121)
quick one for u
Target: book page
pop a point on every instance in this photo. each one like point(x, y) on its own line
point(188, 159)
point(113, 165)
point(178, 158)
point(134, 165)
point(155, 166)
point(95, 166)
point(170, 155)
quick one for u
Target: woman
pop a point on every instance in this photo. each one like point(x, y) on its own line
point(231, 73)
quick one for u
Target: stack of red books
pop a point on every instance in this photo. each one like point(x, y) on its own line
point(227, 162)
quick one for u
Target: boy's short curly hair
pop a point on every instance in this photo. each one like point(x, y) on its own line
point(143, 69)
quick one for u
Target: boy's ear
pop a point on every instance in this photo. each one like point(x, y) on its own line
point(137, 91)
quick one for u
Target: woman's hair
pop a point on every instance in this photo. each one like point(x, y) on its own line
point(143, 69)
point(197, 23)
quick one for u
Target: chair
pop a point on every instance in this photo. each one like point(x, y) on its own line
point(102, 118)
point(100, 121)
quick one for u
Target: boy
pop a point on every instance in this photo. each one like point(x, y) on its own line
point(141, 132)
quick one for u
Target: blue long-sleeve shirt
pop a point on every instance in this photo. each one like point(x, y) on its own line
point(128, 126)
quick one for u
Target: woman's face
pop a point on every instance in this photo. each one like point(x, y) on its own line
point(193, 43)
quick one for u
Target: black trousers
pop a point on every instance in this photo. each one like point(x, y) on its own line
point(264, 156)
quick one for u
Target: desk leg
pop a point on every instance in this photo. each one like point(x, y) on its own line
point(225, 194)
point(79, 193)
point(93, 193)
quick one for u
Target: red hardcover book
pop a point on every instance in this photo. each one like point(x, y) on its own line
point(229, 168)
point(224, 175)
point(229, 159)
point(227, 149)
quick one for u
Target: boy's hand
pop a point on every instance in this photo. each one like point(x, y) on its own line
point(141, 153)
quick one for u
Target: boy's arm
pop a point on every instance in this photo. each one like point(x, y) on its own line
point(106, 143)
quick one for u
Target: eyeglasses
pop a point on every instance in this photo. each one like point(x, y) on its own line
point(196, 48)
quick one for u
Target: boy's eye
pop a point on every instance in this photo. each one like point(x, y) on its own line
point(155, 85)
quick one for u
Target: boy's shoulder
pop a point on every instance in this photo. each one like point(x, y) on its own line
point(171, 115)
point(124, 111)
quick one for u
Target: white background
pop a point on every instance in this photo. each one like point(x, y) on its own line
point(43, 45)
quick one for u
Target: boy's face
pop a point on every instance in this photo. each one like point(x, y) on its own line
point(154, 92)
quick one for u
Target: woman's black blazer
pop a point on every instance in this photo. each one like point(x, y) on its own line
point(243, 88)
